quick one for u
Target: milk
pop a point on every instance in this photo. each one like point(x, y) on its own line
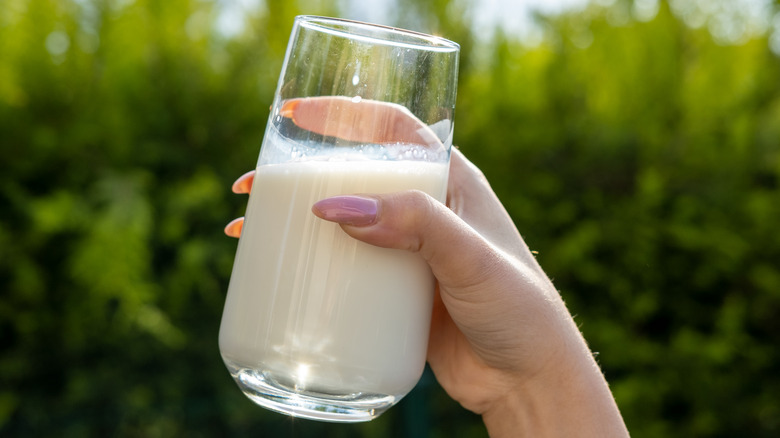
point(314, 310)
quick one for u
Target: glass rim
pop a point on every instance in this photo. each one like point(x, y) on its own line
point(404, 37)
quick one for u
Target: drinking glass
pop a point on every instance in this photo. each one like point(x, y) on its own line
point(317, 324)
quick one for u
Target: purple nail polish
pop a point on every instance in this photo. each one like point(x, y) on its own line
point(348, 210)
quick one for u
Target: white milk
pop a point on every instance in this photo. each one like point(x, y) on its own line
point(311, 307)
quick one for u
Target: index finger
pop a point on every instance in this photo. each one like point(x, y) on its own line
point(359, 120)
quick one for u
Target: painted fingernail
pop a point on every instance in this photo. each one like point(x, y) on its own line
point(347, 210)
point(288, 108)
point(244, 183)
point(233, 229)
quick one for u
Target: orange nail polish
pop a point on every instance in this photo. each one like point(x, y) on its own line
point(244, 183)
point(288, 108)
point(233, 229)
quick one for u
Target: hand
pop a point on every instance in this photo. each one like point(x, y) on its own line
point(502, 342)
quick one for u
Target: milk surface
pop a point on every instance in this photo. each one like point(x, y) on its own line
point(316, 309)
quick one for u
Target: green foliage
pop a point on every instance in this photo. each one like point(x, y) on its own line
point(641, 159)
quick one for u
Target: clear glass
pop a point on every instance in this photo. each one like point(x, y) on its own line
point(317, 324)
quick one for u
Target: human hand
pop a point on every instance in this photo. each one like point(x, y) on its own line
point(502, 342)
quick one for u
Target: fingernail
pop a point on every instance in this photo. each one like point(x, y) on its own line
point(347, 210)
point(288, 108)
point(233, 229)
point(244, 183)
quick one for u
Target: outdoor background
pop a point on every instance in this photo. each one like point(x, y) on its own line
point(636, 144)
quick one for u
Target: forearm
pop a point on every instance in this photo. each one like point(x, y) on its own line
point(573, 400)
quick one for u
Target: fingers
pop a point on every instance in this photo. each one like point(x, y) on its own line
point(233, 229)
point(470, 196)
point(352, 119)
point(359, 120)
point(244, 183)
point(416, 222)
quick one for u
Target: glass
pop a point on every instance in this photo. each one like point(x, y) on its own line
point(317, 324)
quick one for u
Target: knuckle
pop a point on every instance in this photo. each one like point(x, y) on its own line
point(419, 213)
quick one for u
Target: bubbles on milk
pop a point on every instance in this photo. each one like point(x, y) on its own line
point(299, 146)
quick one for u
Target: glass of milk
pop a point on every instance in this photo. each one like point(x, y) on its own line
point(317, 324)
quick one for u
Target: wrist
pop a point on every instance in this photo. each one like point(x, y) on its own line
point(568, 399)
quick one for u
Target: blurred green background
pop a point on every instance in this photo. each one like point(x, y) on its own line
point(636, 144)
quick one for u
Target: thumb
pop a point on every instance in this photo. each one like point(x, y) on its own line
point(414, 221)
point(485, 291)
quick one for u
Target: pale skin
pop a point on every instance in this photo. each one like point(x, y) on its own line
point(502, 342)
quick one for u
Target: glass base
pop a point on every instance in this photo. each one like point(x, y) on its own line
point(265, 390)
